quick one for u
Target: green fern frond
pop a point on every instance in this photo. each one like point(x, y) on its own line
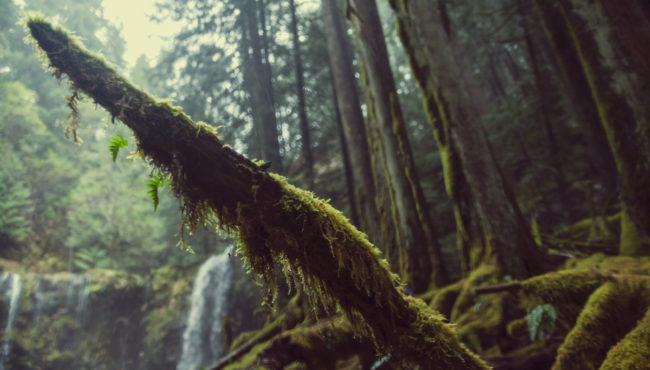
point(117, 142)
point(541, 321)
point(157, 182)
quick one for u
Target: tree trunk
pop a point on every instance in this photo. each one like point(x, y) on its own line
point(261, 88)
point(578, 91)
point(300, 89)
point(610, 42)
point(353, 123)
point(276, 222)
point(546, 103)
point(454, 108)
point(345, 154)
point(419, 251)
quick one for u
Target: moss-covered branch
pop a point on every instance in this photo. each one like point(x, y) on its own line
point(276, 222)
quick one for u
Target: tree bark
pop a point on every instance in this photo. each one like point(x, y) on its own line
point(300, 90)
point(345, 153)
point(261, 87)
point(577, 90)
point(454, 107)
point(610, 43)
point(546, 104)
point(353, 123)
point(418, 248)
point(276, 222)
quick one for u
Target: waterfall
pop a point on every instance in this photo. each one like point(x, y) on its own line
point(76, 299)
point(13, 295)
point(63, 290)
point(203, 337)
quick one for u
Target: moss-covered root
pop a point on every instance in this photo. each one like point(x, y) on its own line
point(321, 346)
point(611, 312)
point(633, 350)
point(443, 300)
point(567, 291)
point(276, 222)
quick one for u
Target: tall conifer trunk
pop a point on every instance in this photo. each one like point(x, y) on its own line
point(353, 124)
point(300, 91)
point(420, 258)
point(473, 179)
point(609, 41)
point(260, 86)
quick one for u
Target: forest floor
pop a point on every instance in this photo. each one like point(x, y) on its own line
point(592, 310)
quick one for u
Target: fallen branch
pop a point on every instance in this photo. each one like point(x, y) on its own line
point(276, 222)
point(244, 349)
point(508, 287)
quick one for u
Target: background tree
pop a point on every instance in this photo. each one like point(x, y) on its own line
point(349, 107)
point(466, 151)
point(414, 229)
point(604, 39)
point(300, 91)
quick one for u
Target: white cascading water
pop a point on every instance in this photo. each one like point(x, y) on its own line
point(13, 295)
point(203, 337)
point(63, 290)
point(77, 293)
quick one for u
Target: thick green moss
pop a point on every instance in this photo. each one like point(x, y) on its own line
point(566, 290)
point(603, 229)
point(320, 345)
point(611, 264)
point(443, 299)
point(484, 275)
point(633, 350)
point(483, 325)
point(517, 328)
point(611, 312)
point(250, 359)
point(633, 242)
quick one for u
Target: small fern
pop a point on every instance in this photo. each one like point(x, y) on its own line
point(541, 321)
point(380, 362)
point(117, 142)
point(157, 182)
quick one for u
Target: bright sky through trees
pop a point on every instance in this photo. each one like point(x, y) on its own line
point(142, 35)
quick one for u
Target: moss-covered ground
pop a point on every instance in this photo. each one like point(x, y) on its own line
point(601, 308)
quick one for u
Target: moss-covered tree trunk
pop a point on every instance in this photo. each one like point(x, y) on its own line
point(609, 40)
point(276, 222)
point(420, 258)
point(472, 176)
point(576, 88)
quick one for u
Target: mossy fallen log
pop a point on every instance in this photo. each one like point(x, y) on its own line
point(633, 350)
point(276, 222)
point(611, 313)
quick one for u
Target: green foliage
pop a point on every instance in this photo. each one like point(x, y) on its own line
point(88, 258)
point(157, 182)
point(15, 204)
point(541, 321)
point(377, 364)
point(117, 142)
